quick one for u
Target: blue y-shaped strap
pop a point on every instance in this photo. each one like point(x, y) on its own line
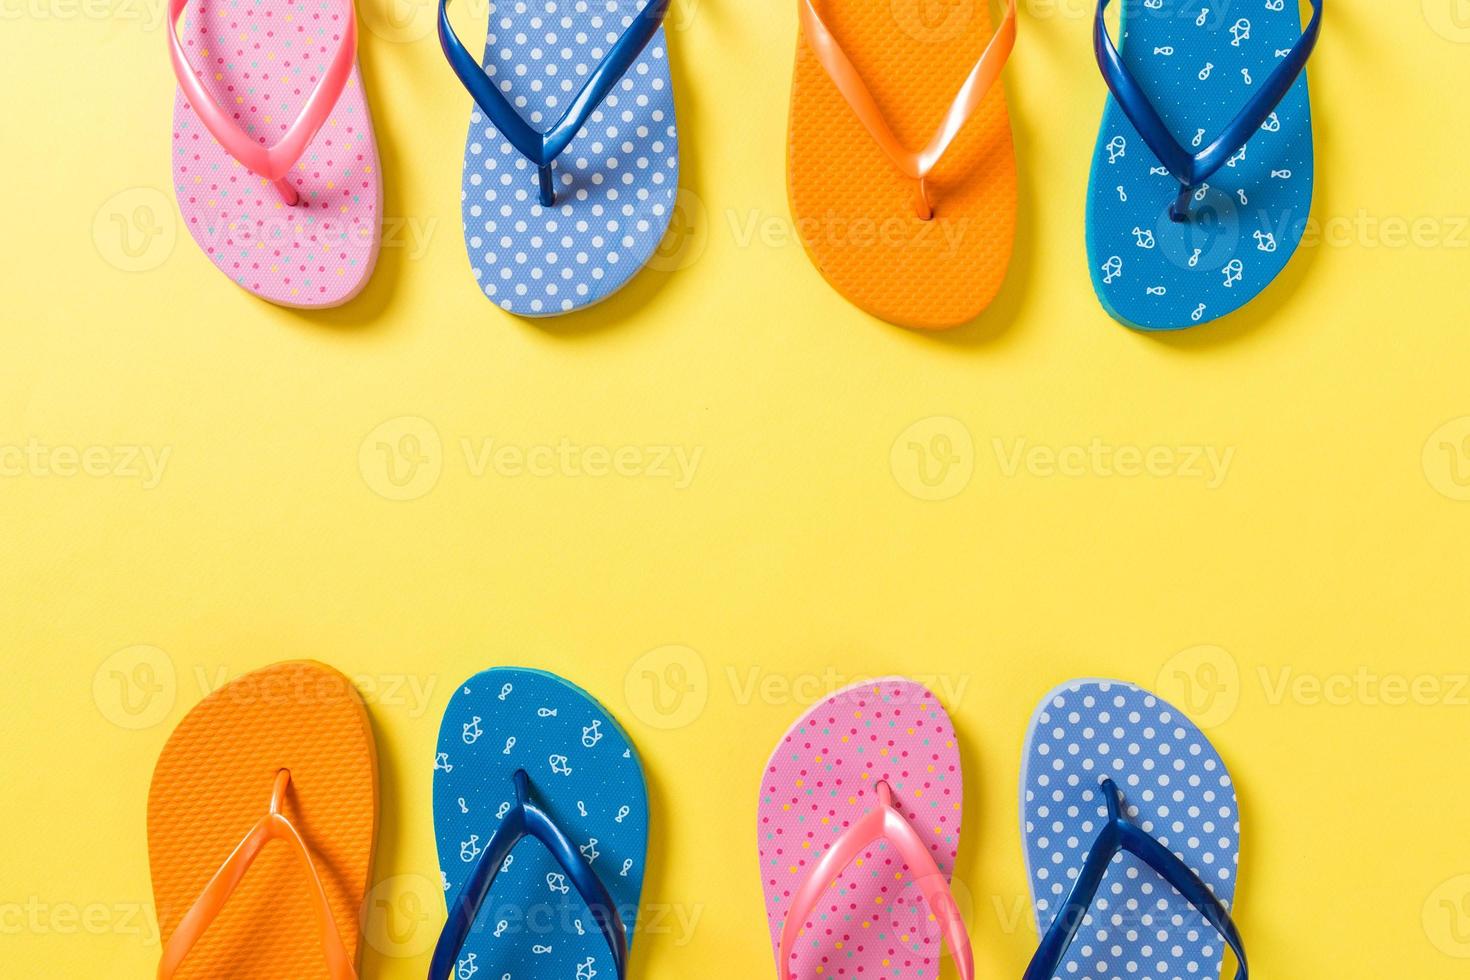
point(525, 819)
point(1193, 169)
point(1120, 834)
point(538, 147)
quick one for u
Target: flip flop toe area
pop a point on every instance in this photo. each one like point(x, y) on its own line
point(856, 214)
point(1175, 787)
point(616, 182)
point(261, 59)
point(213, 782)
point(873, 924)
point(1200, 66)
point(585, 774)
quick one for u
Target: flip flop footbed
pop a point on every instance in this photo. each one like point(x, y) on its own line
point(261, 59)
point(616, 182)
point(1175, 787)
point(213, 782)
point(584, 773)
point(856, 213)
point(874, 923)
point(1200, 62)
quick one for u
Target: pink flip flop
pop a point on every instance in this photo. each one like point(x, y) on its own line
point(859, 824)
point(275, 165)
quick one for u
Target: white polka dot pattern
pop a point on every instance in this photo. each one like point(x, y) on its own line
point(1175, 788)
point(615, 183)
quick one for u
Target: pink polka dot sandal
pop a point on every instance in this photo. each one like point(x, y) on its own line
point(859, 826)
point(275, 165)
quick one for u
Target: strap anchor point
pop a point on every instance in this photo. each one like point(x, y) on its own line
point(922, 204)
point(523, 786)
point(1179, 211)
point(278, 792)
point(288, 193)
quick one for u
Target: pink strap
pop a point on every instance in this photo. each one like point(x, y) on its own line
point(883, 821)
point(272, 826)
point(915, 166)
point(271, 162)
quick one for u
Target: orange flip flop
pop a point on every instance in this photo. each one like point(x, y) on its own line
point(919, 238)
point(284, 754)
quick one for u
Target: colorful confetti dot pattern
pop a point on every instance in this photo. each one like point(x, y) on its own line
point(261, 59)
point(874, 924)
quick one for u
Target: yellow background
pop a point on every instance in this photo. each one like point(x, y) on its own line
point(801, 555)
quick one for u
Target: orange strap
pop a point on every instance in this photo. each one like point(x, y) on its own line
point(915, 166)
point(272, 826)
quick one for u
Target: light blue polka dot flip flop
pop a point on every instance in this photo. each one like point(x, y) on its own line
point(572, 162)
point(1202, 178)
point(1132, 835)
point(541, 814)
